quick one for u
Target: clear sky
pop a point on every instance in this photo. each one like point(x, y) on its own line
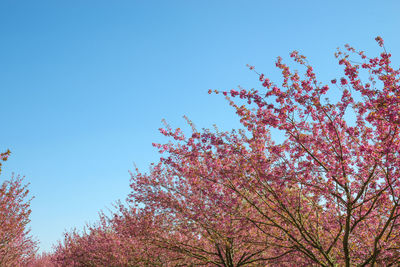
point(85, 84)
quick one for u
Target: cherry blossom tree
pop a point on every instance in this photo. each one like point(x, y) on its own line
point(42, 260)
point(17, 247)
point(203, 211)
point(327, 195)
point(124, 239)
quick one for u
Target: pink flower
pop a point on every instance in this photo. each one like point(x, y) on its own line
point(379, 40)
point(250, 67)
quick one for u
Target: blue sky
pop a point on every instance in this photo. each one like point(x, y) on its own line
point(85, 84)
